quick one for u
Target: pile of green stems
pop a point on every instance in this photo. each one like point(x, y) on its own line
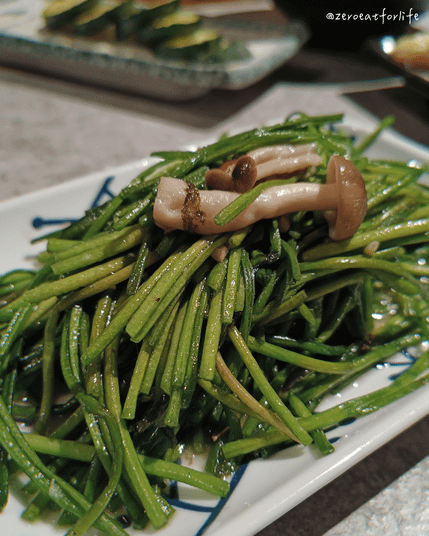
point(127, 344)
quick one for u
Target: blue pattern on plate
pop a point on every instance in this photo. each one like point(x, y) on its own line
point(104, 191)
point(409, 361)
point(216, 510)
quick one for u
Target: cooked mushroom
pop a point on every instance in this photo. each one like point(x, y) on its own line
point(242, 174)
point(218, 179)
point(271, 152)
point(288, 165)
point(220, 253)
point(180, 205)
point(349, 188)
point(233, 176)
point(228, 166)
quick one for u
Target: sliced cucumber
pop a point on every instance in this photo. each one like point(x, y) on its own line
point(130, 20)
point(62, 12)
point(141, 14)
point(158, 9)
point(95, 19)
point(197, 46)
point(177, 24)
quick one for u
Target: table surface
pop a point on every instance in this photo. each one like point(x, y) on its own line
point(55, 130)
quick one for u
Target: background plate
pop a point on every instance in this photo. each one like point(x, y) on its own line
point(416, 79)
point(24, 42)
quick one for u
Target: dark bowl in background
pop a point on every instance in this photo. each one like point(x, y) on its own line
point(339, 34)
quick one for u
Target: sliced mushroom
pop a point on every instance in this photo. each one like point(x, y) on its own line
point(179, 205)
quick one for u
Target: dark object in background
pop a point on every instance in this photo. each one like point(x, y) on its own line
point(346, 24)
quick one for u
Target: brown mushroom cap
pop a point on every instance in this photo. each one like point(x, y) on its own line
point(345, 220)
point(244, 174)
point(228, 166)
point(233, 176)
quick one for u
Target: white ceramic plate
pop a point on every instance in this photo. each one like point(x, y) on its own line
point(265, 489)
point(25, 42)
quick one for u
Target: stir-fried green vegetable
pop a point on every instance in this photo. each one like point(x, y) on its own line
point(129, 343)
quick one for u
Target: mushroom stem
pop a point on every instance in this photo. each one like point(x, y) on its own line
point(271, 152)
point(172, 204)
point(286, 165)
point(304, 196)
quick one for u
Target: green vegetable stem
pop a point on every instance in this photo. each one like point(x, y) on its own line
point(129, 351)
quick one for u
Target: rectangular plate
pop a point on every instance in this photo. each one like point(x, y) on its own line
point(25, 42)
point(263, 490)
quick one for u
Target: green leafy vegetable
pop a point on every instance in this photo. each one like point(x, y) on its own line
point(130, 345)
